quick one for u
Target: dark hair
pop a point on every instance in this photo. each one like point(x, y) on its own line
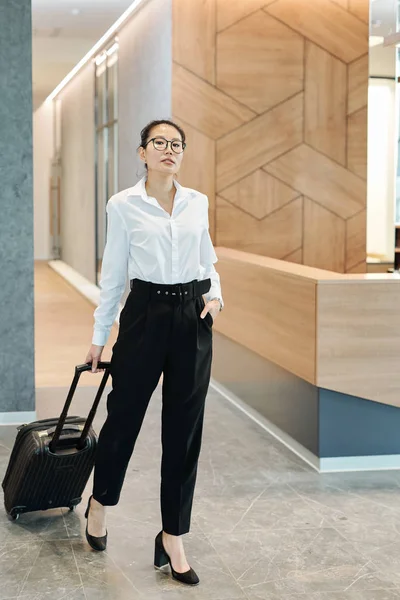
point(145, 133)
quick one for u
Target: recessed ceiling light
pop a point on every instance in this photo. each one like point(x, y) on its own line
point(75, 11)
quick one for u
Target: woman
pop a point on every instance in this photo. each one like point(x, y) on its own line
point(158, 233)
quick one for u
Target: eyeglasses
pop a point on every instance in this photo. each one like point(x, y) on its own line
point(161, 144)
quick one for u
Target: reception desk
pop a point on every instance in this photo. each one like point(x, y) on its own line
point(330, 350)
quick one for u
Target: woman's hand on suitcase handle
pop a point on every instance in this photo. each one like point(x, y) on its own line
point(94, 356)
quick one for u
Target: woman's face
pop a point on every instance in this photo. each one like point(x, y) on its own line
point(158, 155)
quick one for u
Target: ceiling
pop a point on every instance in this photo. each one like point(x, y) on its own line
point(63, 32)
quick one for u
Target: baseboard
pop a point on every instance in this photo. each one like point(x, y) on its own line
point(17, 418)
point(342, 464)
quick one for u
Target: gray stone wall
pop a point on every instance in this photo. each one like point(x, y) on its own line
point(17, 387)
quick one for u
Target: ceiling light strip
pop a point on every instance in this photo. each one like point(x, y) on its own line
point(98, 45)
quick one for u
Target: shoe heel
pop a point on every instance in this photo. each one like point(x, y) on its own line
point(160, 558)
point(88, 508)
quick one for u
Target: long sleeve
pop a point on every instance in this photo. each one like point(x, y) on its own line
point(114, 273)
point(207, 259)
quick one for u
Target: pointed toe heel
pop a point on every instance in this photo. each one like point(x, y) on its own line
point(161, 559)
point(97, 543)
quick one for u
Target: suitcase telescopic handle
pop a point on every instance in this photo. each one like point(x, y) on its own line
point(61, 422)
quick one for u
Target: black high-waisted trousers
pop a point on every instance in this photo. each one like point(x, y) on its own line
point(161, 332)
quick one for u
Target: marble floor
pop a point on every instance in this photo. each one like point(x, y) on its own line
point(265, 526)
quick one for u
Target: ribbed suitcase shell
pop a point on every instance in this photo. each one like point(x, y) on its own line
point(39, 479)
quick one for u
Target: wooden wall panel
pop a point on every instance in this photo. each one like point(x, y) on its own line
point(231, 12)
point(327, 249)
point(204, 106)
point(280, 88)
point(357, 143)
point(269, 236)
point(326, 89)
point(259, 194)
point(357, 84)
point(360, 9)
point(295, 257)
point(338, 31)
point(200, 150)
point(193, 35)
point(322, 179)
point(356, 243)
point(260, 75)
point(259, 141)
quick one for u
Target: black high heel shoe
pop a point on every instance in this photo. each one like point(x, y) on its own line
point(161, 559)
point(97, 543)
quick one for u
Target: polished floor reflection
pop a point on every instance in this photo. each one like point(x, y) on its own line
point(265, 526)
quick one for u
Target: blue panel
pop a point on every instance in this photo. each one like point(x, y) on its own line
point(351, 426)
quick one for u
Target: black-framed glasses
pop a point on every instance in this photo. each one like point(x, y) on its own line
point(161, 144)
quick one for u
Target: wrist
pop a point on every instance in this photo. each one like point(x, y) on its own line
point(219, 302)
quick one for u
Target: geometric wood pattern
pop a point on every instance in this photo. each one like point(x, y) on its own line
point(355, 242)
point(229, 13)
point(269, 236)
point(295, 257)
point(360, 9)
point(200, 37)
point(326, 90)
point(357, 84)
point(200, 150)
point(264, 138)
point(273, 97)
point(260, 75)
point(327, 249)
point(259, 194)
point(211, 110)
point(338, 31)
point(321, 179)
point(357, 143)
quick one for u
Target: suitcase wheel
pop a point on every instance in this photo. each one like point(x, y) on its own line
point(72, 508)
point(13, 516)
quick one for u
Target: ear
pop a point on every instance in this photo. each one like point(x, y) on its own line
point(142, 154)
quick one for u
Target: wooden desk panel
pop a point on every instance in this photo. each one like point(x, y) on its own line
point(340, 332)
point(271, 313)
point(358, 344)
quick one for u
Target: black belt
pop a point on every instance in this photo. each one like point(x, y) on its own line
point(178, 291)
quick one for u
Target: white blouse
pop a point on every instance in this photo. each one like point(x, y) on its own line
point(145, 242)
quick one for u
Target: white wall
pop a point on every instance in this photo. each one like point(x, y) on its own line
point(382, 162)
point(42, 155)
point(78, 173)
point(145, 81)
point(145, 86)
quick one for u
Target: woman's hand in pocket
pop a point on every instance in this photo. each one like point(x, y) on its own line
point(211, 307)
point(94, 357)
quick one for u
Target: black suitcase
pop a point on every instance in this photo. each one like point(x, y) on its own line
point(52, 459)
